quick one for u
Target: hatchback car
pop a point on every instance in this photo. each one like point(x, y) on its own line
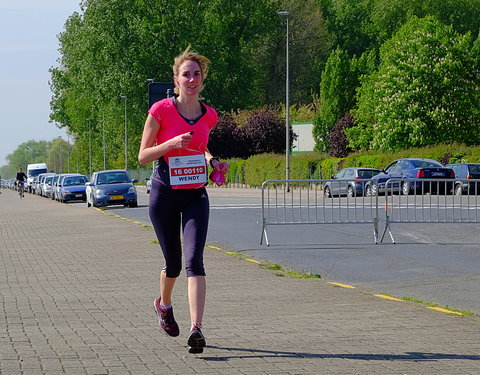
point(349, 181)
point(412, 169)
point(111, 187)
point(72, 188)
point(463, 173)
point(42, 188)
point(46, 186)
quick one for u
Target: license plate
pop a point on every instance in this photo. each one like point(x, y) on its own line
point(437, 174)
point(78, 195)
point(116, 197)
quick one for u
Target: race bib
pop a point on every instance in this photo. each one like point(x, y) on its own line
point(188, 169)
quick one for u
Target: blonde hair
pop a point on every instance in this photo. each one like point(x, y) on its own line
point(190, 55)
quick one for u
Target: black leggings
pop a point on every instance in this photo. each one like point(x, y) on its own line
point(168, 209)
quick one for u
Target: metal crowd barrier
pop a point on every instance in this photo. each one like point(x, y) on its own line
point(430, 201)
point(300, 202)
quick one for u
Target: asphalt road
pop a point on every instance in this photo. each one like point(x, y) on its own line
point(435, 263)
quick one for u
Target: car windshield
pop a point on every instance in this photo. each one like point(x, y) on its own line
point(36, 172)
point(75, 180)
point(367, 174)
point(113, 178)
point(48, 179)
point(425, 164)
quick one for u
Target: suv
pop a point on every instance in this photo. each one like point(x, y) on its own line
point(463, 173)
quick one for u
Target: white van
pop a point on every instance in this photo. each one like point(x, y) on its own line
point(34, 170)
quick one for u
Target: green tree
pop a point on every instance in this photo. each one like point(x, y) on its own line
point(113, 46)
point(337, 92)
point(27, 153)
point(309, 47)
point(58, 154)
point(425, 91)
point(349, 22)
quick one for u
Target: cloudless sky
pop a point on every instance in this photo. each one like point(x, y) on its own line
point(28, 49)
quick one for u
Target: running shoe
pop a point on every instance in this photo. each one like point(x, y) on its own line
point(196, 341)
point(166, 320)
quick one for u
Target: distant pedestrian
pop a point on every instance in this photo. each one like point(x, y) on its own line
point(176, 134)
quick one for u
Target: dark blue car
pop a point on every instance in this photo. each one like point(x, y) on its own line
point(111, 187)
point(413, 170)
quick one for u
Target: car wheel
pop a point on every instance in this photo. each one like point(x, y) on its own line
point(458, 189)
point(372, 190)
point(133, 205)
point(405, 188)
point(350, 192)
point(326, 192)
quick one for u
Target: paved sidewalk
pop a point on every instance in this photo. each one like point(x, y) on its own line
point(77, 288)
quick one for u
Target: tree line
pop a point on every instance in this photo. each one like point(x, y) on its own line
point(112, 47)
point(58, 154)
point(402, 74)
point(373, 74)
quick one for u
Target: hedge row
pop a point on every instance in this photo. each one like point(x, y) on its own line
point(314, 165)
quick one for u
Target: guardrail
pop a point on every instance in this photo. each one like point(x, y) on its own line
point(302, 202)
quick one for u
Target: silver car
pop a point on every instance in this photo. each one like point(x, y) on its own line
point(47, 185)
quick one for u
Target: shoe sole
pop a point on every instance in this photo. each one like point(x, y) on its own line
point(196, 343)
point(194, 350)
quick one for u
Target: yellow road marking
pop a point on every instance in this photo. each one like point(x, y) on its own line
point(252, 260)
point(390, 298)
point(444, 310)
point(342, 285)
point(213, 247)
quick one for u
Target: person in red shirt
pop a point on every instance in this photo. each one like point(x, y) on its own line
point(176, 135)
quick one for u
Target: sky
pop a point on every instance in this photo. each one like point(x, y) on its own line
point(28, 49)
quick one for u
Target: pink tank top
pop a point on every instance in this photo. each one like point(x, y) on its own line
point(173, 124)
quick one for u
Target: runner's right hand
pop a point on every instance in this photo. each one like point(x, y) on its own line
point(181, 141)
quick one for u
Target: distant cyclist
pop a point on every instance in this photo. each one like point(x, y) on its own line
point(21, 178)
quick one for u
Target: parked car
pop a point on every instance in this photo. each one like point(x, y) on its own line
point(46, 186)
point(72, 188)
point(148, 184)
point(40, 187)
point(38, 184)
point(111, 187)
point(33, 185)
point(349, 181)
point(54, 186)
point(418, 169)
point(463, 173)
point(59, 183)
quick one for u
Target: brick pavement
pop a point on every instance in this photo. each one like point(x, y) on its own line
point(77, 287)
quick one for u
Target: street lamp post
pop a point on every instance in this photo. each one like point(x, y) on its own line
point(150, 80)
point(89, 147)
point(68, 152)
point(126, 138)
point(104, 144)
point(287, 107)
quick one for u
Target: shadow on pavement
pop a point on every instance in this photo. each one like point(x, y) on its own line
point(408, 356)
